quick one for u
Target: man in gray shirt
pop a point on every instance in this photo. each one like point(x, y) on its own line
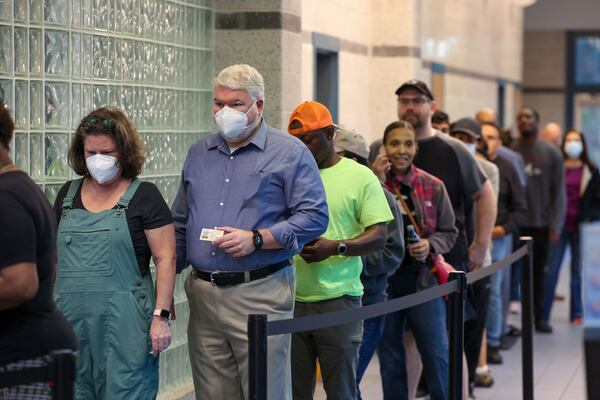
point(250, 198)
point(546, 201)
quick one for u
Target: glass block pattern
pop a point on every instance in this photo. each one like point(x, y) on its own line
point(59, 59)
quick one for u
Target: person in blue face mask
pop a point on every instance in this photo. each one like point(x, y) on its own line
point(582, 182)
point(110, 225)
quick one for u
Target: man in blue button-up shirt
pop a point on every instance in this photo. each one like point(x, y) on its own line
point(261, 189)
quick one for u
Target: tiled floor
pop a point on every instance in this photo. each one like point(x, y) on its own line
point(559, 368)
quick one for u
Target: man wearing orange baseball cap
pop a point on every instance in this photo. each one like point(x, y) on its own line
point(328, 268)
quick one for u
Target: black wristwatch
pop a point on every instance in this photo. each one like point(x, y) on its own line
point(342, 248)
point(164, 314)
point(257, 239)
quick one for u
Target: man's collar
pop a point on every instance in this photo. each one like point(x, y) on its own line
point(215, 141)
point(259, 139)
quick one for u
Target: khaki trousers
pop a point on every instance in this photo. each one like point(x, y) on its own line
point(218, 341)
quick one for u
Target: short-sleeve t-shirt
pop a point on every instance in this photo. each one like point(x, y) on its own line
point(449, 160)
point(28, 235)
point(356, 201)
point(147, 210)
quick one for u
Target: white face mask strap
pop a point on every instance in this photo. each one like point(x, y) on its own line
point(257, 119)
point(253, 104)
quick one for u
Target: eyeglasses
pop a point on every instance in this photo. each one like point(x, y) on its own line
point(417, 101)
point(93, 121)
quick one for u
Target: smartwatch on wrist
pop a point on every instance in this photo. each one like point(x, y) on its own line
point(342, 248)
point(257, 239)
point(164, 314)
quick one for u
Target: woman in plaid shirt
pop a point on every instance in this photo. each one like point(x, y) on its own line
point(425, 197)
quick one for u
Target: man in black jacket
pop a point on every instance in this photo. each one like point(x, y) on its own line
point(546, 201)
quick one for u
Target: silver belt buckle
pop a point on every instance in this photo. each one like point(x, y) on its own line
point(212, 277)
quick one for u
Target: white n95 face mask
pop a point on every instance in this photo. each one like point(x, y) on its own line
point(233, 124)
point(103, 168)
point(574, 148)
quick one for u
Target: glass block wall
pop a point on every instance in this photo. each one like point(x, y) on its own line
point(59, 59)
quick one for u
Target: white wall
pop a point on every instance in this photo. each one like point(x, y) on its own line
point(354, 89)
point(477, 40)
point(349, 21)
point(465, 96)
point(474, 35)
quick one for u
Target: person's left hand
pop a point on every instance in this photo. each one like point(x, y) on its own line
point(553, 235)
point(160, 335)
point(476, 255)
point(318, 250)
point(235, 242)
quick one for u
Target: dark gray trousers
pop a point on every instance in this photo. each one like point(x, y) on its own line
point(335, 348)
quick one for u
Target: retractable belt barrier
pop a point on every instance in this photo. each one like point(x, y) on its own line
point(58, 374)
point(259, 328)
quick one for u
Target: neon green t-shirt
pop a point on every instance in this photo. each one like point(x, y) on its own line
point(356, 201)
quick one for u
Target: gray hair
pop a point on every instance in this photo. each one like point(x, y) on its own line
point(242, 77)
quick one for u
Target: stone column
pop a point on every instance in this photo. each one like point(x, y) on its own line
point(266, 34)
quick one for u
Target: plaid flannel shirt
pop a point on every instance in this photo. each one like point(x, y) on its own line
point(424, 189)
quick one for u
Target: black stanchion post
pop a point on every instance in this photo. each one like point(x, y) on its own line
point(63, 375)
point(456, 339)
point(257, 356)
point(591, 337)
point(527, 317)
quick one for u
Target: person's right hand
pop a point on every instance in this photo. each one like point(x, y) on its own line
point(477, 255)
point(498, 232)
point(381, 166)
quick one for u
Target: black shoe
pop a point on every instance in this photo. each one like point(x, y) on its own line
point(471, 391)
point(513, 331)
point(507, 342)
point(493, 355)
point(422, 393)
point(543, 327)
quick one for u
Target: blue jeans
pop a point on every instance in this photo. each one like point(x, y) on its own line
point(372, 331)
point(571, 239)
point(428, 324)
point(501, 248)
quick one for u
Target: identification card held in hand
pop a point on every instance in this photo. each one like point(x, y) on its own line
point(210, 234)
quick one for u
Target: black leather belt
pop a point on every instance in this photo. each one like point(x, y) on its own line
point(220, 278)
